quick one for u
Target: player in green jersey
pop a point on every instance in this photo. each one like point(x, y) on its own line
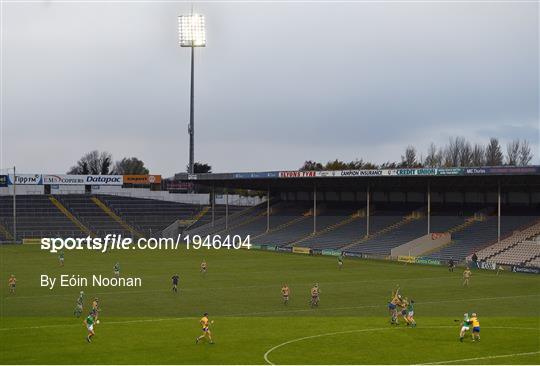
point(410, 314)
point(116, 269)
point(340, 261)
point(465, 326)
point(89, 322)
point(61, 258)
point(79, 305)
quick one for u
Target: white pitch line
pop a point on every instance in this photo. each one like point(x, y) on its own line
point(267, 360)
point(482, 358)
point(266, 312)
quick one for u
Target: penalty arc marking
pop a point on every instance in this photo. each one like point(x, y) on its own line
point(267, 353)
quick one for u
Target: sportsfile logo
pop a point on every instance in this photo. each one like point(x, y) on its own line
point(120, 242)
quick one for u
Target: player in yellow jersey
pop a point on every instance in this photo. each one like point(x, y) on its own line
point(204, 267)
point(12, 282)
point(285, 292)
point(466, 276)
point(392, 306)
point(475, 327)
point(205, 323)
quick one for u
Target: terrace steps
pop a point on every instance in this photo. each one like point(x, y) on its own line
point(285, 225)
point(405, 220)
point(115, 217)
point(470, 221)
point(70, 216)
point(328, 229)
point(190, 222)
point(5, 232)
point(243, 223)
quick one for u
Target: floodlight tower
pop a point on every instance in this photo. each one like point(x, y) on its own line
point(191, 32)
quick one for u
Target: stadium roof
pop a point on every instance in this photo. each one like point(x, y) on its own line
point(485, 178)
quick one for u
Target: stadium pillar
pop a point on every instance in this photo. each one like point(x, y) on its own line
point(499, 211)
point(192, 116)
point(367, 211)
point(428, 207)
point(14, 205)
point(213, 204)
point(268, 210)
point(314, 208)
point(226, 208)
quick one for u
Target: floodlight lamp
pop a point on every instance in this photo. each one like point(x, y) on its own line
point(191, 30)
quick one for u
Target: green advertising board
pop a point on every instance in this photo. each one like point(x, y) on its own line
point(335, 253)
point(431, 261)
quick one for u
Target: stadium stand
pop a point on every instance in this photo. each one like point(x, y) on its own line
point(79, 215)
point(504, 249)
point(462, 205)
point(343, 226)
point(37, 216)
point(91, 215)
point(250, 220)
point(519, 254)
point(150, 216)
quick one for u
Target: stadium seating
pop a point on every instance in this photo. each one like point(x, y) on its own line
point(236, 215)
point(340, 225)
point(91, 215)
point(36, 217)
point(519, 254)
point(149, 216)
point(516, 248)
point(510, 241)
point(465, 241)
point(533, 262)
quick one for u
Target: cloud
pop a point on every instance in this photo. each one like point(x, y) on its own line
point(277, 84)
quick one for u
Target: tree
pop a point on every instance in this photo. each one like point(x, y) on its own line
point(494, 155)
point(409, 159)
point(431, 157)
point(368, 165)
point(199, 167)
point(130, 166)
point(356, 165)
point(478, 156)
point(525, 155)
point(512, 152)
point(311, 165)
point(336, 165)
point(452, 152)
point(389, 165)
point(94, 162)
point(465, 153)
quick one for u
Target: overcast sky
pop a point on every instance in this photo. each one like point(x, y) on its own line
point(276, 85)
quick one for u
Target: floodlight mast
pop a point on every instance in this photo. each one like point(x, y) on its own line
point(191, 31)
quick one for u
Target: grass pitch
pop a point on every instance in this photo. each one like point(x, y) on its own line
point(241, 292)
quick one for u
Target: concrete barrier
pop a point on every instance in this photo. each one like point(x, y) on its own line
point(421, 245)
